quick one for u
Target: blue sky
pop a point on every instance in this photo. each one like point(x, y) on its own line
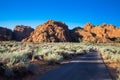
point(72, 12)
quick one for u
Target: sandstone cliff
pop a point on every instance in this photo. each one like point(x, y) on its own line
point(101, 33)
point(55, 31)
point(20, 32)
point(51, 31)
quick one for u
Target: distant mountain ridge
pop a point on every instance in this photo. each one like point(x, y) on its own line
point(20, 32)
point(55, 31)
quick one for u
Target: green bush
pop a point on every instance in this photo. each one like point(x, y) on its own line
point(53, 58)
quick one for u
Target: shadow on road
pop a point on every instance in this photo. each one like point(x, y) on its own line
point(87, 67)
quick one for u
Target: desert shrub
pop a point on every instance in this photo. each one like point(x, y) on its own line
point(118, 77)
point(66, 56)
point(53, 58)
point(14, 64)
point(15, 57)
point(117, 40)
point(118, 70)
point(109, 52)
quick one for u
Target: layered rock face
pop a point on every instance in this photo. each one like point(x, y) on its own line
point(5, 34)
point(101, 33)
point(20, 32)
point(51, 31)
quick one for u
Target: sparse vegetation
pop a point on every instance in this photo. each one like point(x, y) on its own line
point(117, 40)
point(16, 57)
point(111, 56)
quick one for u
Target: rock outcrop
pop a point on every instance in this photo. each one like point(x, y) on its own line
point(75, 36)
point(101, 33)
point(20, 32)
point(88, 27)
point(84, 35)
point(5, 34)
point(55, 31)
point(51, 31)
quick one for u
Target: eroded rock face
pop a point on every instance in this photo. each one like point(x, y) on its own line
point(51, 31)
point(54, 31)
point(5, 34)
point(101, 33)
point(106, 32)
point(20, 32)
point(88, 27)
point(84, 35)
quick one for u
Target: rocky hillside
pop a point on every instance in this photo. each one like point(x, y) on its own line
point(51, 31)
point(5, 34)
point(20, 32)
point(55, 31)
point(101, 33)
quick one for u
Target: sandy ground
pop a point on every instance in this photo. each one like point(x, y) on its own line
point(112, 68)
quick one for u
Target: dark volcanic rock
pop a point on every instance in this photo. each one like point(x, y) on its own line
point(20, 32)
point(5, 34)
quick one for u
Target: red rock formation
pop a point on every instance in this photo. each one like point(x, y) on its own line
point(51, 31)
point(54, 31)
point(5, 34)
point(85, 35)
point(106, 32)
point(21, 32)
point(88, 27)
point(101, 33)
point(75, 36)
